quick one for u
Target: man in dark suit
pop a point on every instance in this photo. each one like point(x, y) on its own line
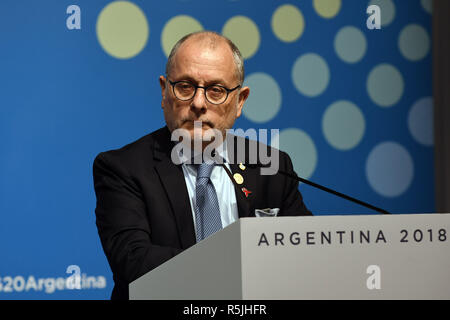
point(147, 207)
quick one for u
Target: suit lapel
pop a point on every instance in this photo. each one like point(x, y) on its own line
point(172, 179)
point(250, 176)
point(243, 202)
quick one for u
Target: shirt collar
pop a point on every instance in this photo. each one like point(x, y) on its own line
point(221, 151)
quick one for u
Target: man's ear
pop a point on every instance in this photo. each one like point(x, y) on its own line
point(243, 95)
point(162, 83)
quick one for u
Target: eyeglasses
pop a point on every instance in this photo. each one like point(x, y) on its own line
point(215, 94)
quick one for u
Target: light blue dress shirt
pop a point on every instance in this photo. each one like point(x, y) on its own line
point(222, 183)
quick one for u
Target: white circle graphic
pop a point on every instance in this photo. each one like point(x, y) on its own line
point(387, 8)
point(311, 74)
point(385, 85)
point(350, 44)
point(264, 100)
point(420, 121)
point(414, 42)
point(389, 169)
point(343, 125)
point(301, 148)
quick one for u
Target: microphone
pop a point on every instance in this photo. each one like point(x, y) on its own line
point(297, 178)
point(323, 188)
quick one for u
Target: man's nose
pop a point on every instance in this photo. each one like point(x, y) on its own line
point(199, 99)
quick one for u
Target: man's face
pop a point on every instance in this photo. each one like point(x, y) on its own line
point(202, 65)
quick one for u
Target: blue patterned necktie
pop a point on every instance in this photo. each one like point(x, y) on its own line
point(207, 212)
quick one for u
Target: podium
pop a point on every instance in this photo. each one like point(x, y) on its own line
point(322, 257)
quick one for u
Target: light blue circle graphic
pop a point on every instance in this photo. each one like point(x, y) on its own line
point(420, 121)
point(414, 42)
point(387, 8)
point(385, 85)
point(427, 5)
point(350, 44)
point(389, 169)
point(301, 148)
point(343, 125)
point(264, 100)
point(311, 74)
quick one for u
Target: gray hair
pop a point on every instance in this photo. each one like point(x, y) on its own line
point(238, 60)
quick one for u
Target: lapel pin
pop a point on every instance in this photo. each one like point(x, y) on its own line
point(241, 166)
point(238, 178)
point(246, 191)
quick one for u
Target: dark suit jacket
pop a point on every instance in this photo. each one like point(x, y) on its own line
point(143, 211)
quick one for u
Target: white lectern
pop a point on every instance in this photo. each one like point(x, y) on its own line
point(321, 257)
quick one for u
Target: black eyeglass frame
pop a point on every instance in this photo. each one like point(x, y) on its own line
point(205, 88)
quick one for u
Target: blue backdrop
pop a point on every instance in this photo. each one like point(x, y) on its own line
point(353, 106)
